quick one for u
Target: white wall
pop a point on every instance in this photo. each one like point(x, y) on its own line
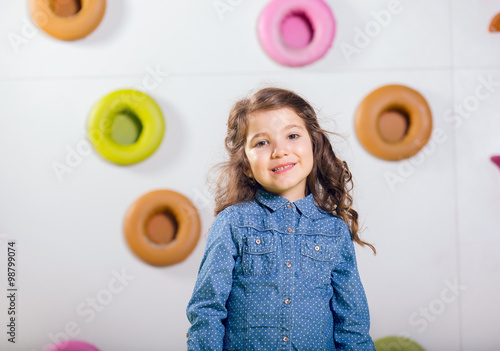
point(438, 227)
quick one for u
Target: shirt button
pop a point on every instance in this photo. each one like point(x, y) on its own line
point(258, 241)
point(288, 264)
point(287, 301)
point(285, 339)
point(290, 230)
point(316, 248)
point(288, 206)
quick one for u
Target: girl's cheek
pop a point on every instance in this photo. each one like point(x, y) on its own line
point(258, 153)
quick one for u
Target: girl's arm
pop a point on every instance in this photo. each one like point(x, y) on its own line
point(207, 308)
point(349, 305)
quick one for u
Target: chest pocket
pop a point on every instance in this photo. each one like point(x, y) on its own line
point(317, 255)
point(259, 254)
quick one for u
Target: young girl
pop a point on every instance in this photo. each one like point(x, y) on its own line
point(279, 270)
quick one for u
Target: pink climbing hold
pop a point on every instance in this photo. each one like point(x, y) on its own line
point(72, 345)
point(296, 30)
point(496, 160)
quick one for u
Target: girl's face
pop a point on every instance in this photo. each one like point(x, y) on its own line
point(279, 150)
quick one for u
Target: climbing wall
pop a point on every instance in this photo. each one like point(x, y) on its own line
point(433, 217)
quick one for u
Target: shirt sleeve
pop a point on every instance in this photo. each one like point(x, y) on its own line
point(206, 310)
point(349, 305)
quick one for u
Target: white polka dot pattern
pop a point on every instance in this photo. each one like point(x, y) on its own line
point(278, 275)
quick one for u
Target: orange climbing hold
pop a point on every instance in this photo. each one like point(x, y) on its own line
point(495, 23)
point(67, 19)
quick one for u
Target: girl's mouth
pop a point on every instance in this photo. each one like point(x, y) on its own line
point(283, 169)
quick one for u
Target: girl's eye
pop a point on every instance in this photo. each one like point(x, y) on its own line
point(291, 136)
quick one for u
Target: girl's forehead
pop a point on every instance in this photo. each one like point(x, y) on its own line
point(273, 120)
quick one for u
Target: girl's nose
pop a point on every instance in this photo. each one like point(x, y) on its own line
point(279, 150)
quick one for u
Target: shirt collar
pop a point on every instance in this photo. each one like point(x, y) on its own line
point(305, 205)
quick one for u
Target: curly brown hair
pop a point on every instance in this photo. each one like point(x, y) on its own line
point(330, 180)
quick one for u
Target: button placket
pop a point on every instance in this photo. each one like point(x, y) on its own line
point(288, 277)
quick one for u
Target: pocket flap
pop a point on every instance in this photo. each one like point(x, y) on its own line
point(259, 244)
point(320, 251)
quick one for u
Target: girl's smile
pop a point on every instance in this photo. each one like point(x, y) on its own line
point(283, 168)
point(279, 151)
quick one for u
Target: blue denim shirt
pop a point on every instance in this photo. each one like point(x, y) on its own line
point(278, 275)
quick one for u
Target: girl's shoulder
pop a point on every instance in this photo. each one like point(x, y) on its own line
point(245, 213)
point(246, 208)
point(331, 220)
point(242, 207)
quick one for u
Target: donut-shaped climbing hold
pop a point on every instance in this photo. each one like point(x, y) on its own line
point(126, 126)
point(393, 122)
point(296, 32)
point(67, 19)
point(495, 24)
point(397, 343)
point(162, 227)
point(72, 345)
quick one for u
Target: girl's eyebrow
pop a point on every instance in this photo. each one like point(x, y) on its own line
point(285, 128)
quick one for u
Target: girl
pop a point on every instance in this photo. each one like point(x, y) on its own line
point(279, 270)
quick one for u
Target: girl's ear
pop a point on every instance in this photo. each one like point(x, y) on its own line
point(248, 173)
